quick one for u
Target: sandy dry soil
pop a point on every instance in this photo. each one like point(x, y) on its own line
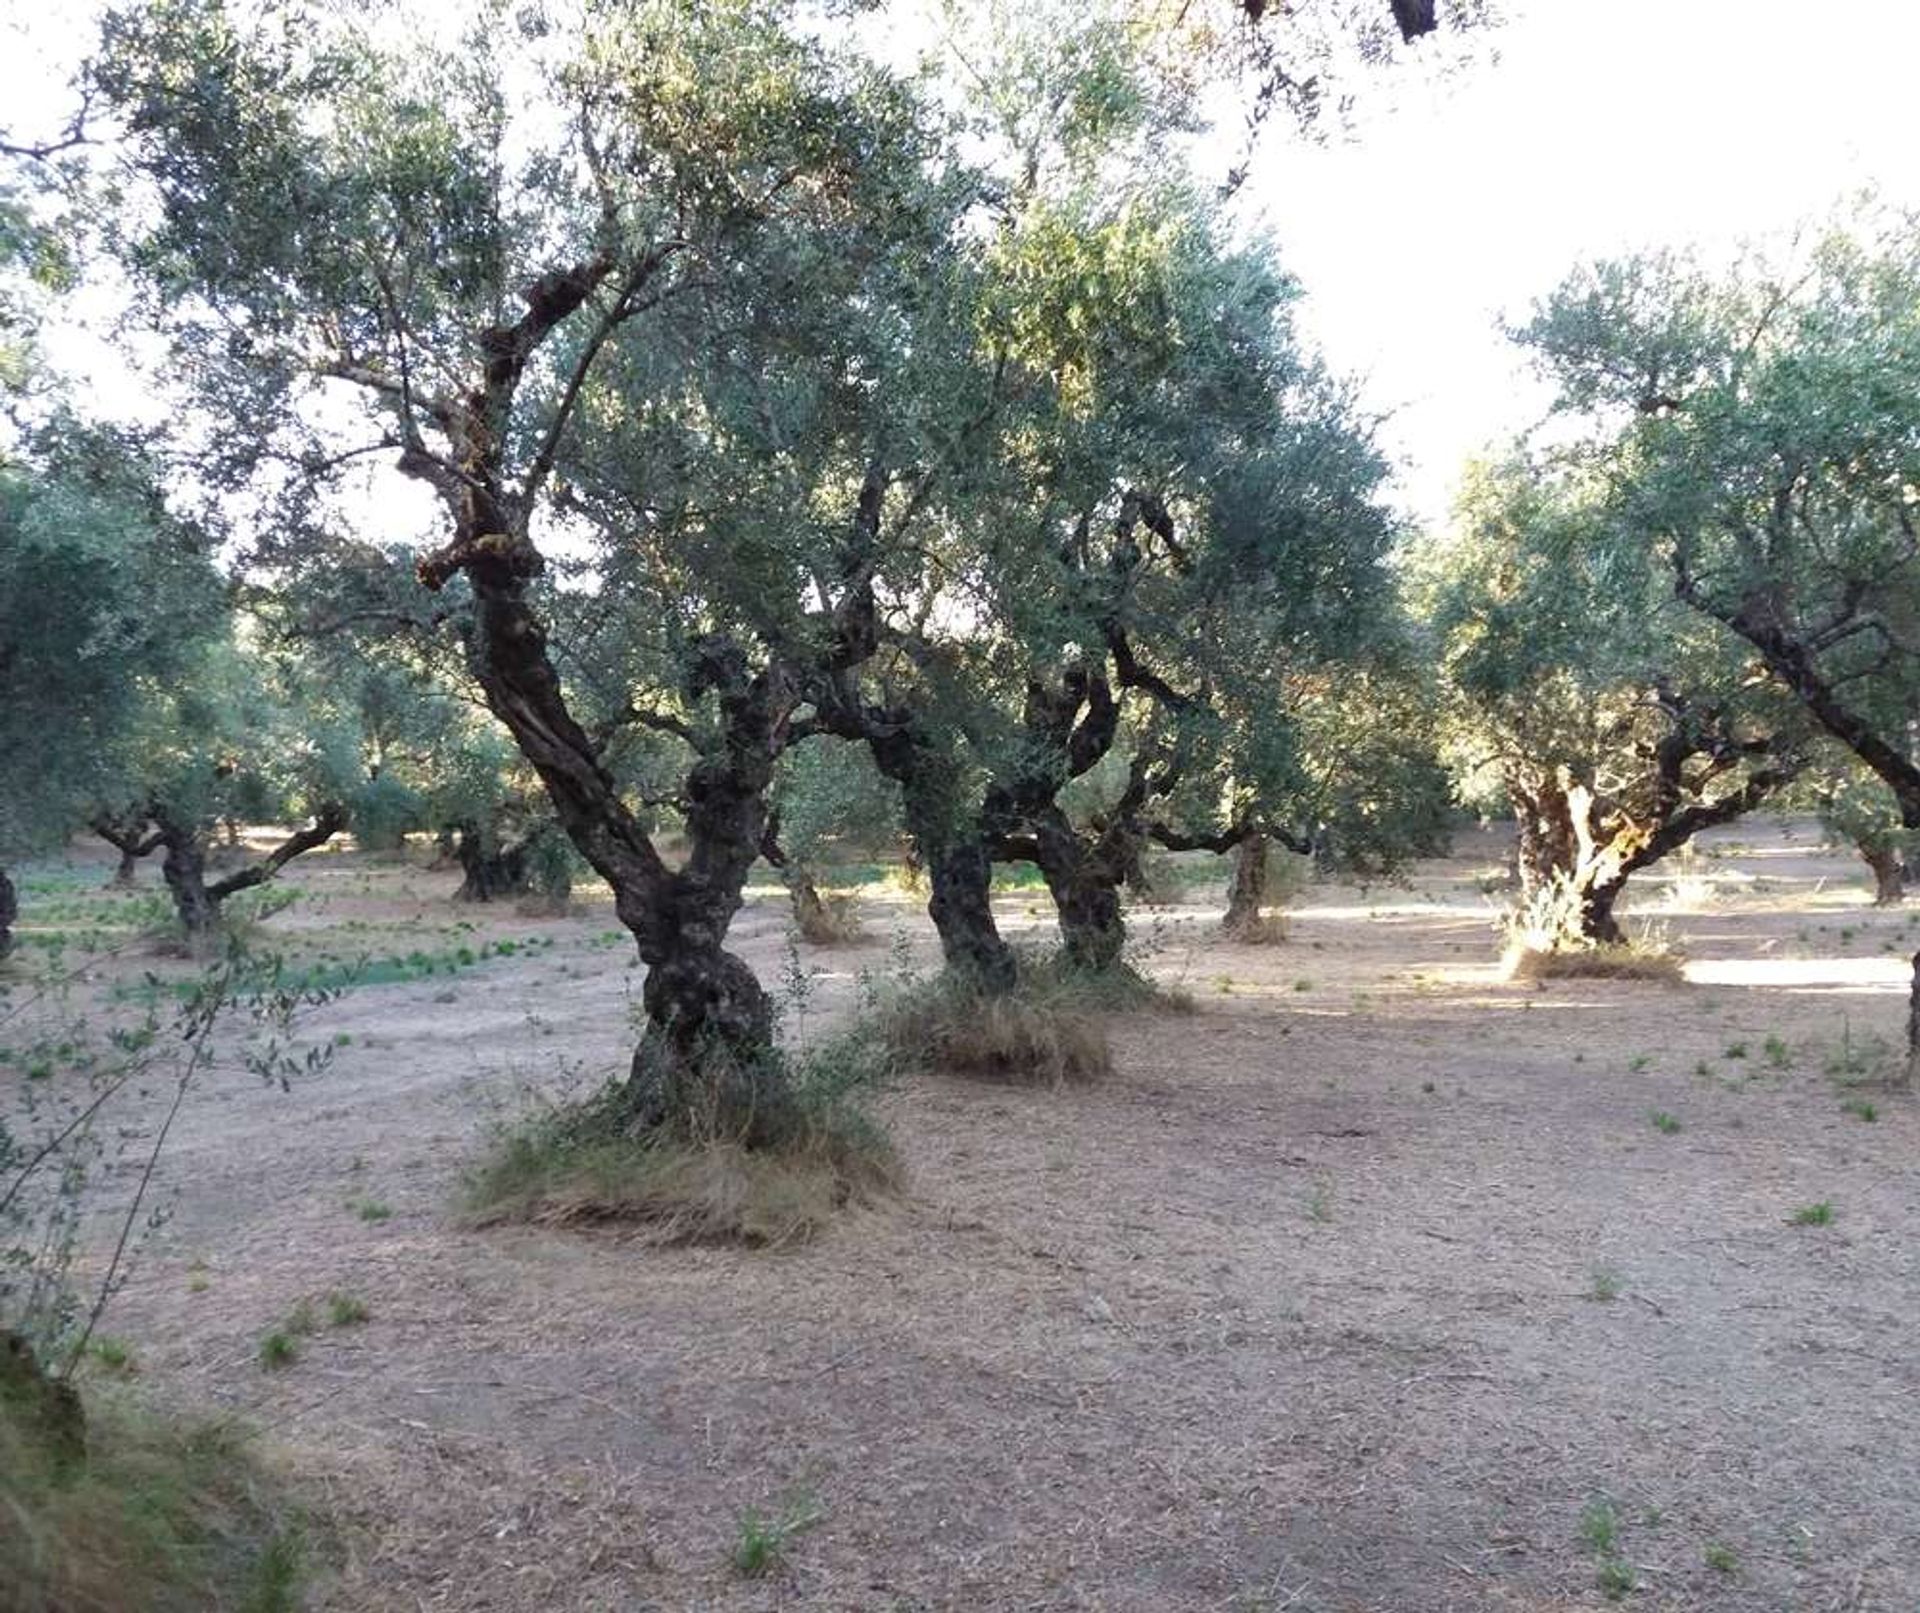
point(1305, 1309)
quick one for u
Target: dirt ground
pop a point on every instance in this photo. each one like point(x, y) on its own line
point(1371, 1285)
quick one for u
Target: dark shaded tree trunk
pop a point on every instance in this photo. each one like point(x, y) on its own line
point(706, 1063)
point(1247, 891)
point(960, 874)
point(46, 1409)
point(132, 839)
point(184, 868)
point(1889, 870)
point(1913, 1026)
point(9, 912)
point(952, 850)
point(1091, 926)
point(1084, 875)
point(490, 871)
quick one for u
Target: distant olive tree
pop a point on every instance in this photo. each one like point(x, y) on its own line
point(1761, 430)
point(1578, 693)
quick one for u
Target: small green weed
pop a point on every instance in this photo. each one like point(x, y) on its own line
point(346, 1310)
point(1861, 1109)
point(1600, 1525)
point(1608, 1284)
point(1721, 1559)
point(278, 1349)
point(760, 1539)
point(116, 1355)
point(1819, 1214)
point(1663, 1122)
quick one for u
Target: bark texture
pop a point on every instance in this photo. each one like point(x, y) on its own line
point(1247, 892)
point(951, 846)
point(489, 870)
point(1913, 1025)
point(1889, 871)
point(184, 867)
point(131, 837)
point(1573, 837)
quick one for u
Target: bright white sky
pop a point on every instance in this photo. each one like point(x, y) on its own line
point(1601, 127)
point(1604, 126)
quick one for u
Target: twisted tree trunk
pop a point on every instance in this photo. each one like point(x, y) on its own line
point(185, 866)
point(952, 849)
point(1247, 892)
point(490, 871)
point(131, 838)
point(1889, 870)
point(1084, 881)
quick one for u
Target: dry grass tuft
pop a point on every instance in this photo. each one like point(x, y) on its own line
point(583, 1162)
point(1259, 930)
point(159, 1514)
point(827, 918)
point(1049, 1031)
point(712, 1191)
point(1621, 961)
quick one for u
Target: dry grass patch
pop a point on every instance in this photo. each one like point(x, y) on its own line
point(1254, 930)
point(1050, 1030)
point(1617, 961)
point(827, 918)
point(158, 1514)
point(712, 1191)
point(582, 1163)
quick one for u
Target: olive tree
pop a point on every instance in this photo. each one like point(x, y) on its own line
point(490, 260)
point(1761, 426)
point(104, 597)
point(1613, 723)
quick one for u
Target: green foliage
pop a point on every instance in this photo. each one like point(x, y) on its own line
point(1757, 428)
point(106, 603)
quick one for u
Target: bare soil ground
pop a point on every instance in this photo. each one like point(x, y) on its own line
point(1372, 1285)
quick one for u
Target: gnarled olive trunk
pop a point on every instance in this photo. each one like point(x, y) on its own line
point(1084, 875)
point(960, 874)
point(706, 1064)
point(184, 868)
point(127, 834)
point(1562, 851)
point(1247, 891)
point(953, 851)
point(1913, 1026)
point(9, 911)
point(489, 870)
point(1889, 870)
point(1091, 926)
